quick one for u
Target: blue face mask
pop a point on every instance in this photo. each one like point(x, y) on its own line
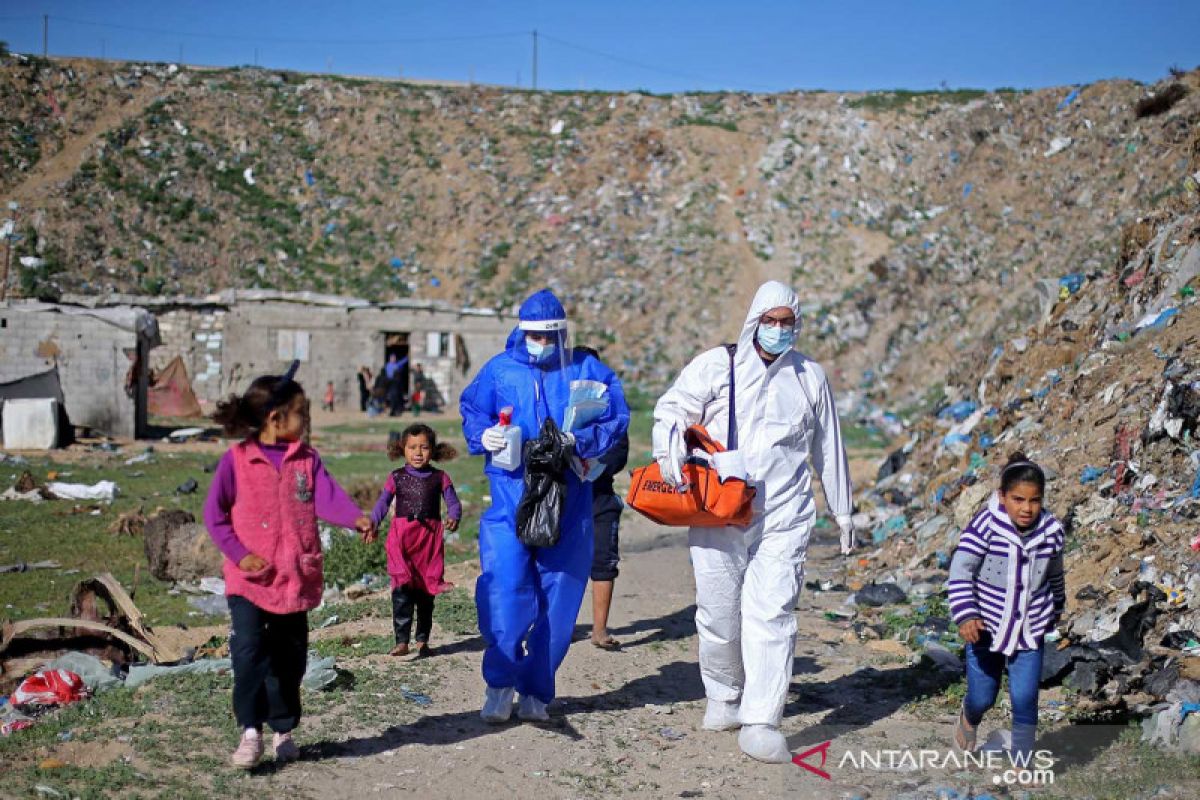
point(539, 351)
point(775, 340)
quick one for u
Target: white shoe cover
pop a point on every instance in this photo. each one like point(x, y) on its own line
point(531, 709)
point(764, 743)
point(497, 707)
point(721, 716)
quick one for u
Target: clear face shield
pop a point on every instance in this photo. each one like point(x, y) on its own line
point(548, 343)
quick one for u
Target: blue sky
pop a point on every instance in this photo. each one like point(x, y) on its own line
point(660, 45)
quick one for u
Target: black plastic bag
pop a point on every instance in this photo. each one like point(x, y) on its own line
point(547, 459)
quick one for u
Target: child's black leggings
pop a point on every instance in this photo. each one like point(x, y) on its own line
point(404, 600)
point(269, 654)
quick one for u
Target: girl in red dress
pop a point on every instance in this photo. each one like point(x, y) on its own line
point(415, 548)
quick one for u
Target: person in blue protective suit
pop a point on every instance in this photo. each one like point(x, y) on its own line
point(529, 597)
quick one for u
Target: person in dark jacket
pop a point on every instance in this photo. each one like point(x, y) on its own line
point(364, 387)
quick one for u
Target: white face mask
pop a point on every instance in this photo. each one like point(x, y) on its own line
point(775, 340)
point(539, 350)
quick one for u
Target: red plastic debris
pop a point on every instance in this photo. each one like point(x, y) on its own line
point(56, 687)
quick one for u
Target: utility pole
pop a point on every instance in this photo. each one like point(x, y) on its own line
point(45, 35)
point(535, 59)
point(180, 52)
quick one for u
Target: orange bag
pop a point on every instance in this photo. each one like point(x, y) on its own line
point(708, 502)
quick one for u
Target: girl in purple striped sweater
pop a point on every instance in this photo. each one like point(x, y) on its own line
point(1006, 592)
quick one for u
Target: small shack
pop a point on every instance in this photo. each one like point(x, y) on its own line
point(97, 356)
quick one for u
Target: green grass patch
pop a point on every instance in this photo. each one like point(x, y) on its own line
point(354, 646)
point(454, 611)
point(379, 607)
point(723, 124)
point(901, 98)
point(76, 534)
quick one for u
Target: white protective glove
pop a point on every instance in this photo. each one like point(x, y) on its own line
point(670, 464)
point(849, 540)
point(493, 439)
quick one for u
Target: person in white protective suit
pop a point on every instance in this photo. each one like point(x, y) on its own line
point(748, 579)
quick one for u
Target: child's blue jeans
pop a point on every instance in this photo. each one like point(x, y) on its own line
point(984, 669)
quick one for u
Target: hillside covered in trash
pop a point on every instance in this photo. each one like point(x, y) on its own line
point(922, 229)
point(1104, 391)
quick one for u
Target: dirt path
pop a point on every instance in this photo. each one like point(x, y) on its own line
point(628, 722)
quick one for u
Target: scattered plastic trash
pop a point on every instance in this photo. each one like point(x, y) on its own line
point(140, 673)
point(957, 443)
point(1156, 321)
point(96, 677)
point(879, 594)
point(413, 696)
point(51, 687)
point(1070, 98)
point(958, 411)
point(187, 487)
point(183, 434)
point(12, 719)
point(889, 528)
point(212, 585)
point(670, 734)
point(22, 566)
point(210, 604)
point(941, 657)
point(1057, 145)
point(1072, 282)
point(1091, 474)
point(319, 673)
point(102, 490)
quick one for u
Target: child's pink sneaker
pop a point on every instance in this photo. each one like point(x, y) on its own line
point(285, 748)
point(249, 749)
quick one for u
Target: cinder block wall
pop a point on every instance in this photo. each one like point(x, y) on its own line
point(196, 335)
point(91, 358)
point(340, 340)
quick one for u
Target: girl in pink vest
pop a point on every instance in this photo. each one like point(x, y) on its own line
point(261, 511)
point(415, 549)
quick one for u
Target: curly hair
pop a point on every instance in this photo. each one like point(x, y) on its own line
point(441, 450)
